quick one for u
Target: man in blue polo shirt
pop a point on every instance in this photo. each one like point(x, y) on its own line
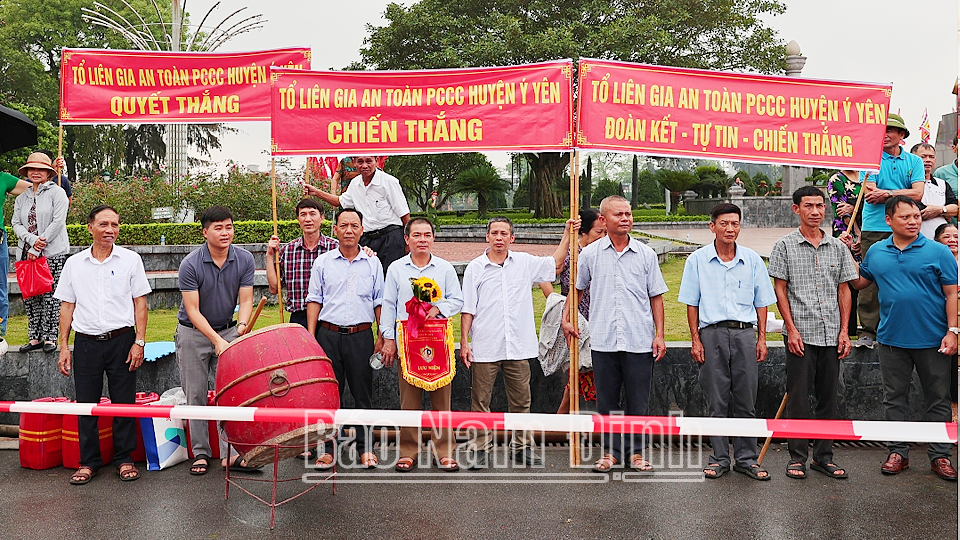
point(901, 173)
point(917, 277)
point(213, 278)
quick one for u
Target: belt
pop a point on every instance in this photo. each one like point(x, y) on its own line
point(381, 232)
point(731, 324)
point(107, 335)
point(346, 329)
point(230, 324)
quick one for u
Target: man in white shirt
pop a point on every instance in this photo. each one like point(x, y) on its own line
point(498, 313)
point(939, 200)
point(103, 292)
point(378, 197)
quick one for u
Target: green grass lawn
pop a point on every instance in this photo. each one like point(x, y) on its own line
point(163, 322)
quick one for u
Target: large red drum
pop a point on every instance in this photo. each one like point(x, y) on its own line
point(277, 366)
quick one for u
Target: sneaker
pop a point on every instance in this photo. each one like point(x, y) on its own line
point(865, 340)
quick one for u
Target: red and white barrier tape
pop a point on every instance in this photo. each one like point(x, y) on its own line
point(848, 430)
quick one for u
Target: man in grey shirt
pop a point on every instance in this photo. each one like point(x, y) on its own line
point(810, 272)
point(213, 278)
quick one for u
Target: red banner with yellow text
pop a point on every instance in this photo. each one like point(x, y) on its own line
point(513, 108)
point(150, 87)
point(691, 113)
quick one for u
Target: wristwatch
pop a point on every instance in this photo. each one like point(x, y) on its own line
point(140, 342)
point(954, 329)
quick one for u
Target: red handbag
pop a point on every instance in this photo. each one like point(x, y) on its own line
point(34, 277)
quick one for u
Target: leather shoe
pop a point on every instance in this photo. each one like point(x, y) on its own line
point(27, 347)
point(943, 468)
point(895, 463)
point(478, 459)
point(527, 457)
point(49, 347)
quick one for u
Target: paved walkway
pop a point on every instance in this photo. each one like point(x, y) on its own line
point(759, 240)
point(467, 251)
point(554, 501)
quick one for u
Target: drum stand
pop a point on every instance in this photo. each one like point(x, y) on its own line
point(272, 503)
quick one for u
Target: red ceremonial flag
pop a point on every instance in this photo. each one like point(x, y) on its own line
point(380, 113)
point(669, 111)
point(159, 87)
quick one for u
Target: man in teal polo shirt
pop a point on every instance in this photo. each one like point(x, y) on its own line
point(901, 173)
point(917, 279)
point(11, 185)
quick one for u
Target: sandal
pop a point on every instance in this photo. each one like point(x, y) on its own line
point(753, 471)
point(797, 470)
point(605, 463)
point(324, 462)
point(447, 464)
point(368, 460)
point(829, 469)
point(82, 476)
point(198, 469)
point(717, 469)
point(239, 464)
point(404, 464)
point(128, 472)
point(637, 463)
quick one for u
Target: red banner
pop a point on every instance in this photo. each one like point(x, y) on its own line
point(150, 87)
point(514, 108)
point(692, 113)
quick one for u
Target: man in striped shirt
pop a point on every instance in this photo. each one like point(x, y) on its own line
point(296, 259)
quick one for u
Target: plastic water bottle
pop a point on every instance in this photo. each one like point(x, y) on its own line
point(163, 239)
point(376, 361)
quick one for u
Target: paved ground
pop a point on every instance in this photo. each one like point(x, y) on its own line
point(467, 251)
point(759, 240)
point(550, 502)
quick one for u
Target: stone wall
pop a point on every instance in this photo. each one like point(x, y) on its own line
point(27, 376)
point(758, 212)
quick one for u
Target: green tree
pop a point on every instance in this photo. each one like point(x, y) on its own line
point(604, 189)
point(30, 54)
point(485, 182)
point(649, 190)
point(676, 182)
point(713, 181)
point(421, 175)
point(710, 34)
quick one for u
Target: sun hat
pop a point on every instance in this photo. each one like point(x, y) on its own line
point(894, 120)
point(38, 160)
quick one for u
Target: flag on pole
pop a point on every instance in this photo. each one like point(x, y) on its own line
point(925, 129)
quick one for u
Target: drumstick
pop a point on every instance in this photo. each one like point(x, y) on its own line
point(856, 207)
point(253, 318)
point(766, 444)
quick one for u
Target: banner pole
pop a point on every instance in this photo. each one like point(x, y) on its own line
point(59, 153)
point(574, 373)
point(276, 231)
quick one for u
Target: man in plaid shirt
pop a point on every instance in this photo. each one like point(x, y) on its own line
point(810, 271)
point(296, 259)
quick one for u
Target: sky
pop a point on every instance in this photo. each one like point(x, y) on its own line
point(912, 45)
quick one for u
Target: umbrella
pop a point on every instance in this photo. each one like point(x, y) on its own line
point(16, 130)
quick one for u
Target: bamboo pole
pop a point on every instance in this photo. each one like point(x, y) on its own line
point(574, 304)
point(276, 231)
point(766, 444)
point(856, 207)
point(59, 153)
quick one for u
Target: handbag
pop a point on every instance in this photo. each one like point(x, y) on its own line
point(34, 277)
